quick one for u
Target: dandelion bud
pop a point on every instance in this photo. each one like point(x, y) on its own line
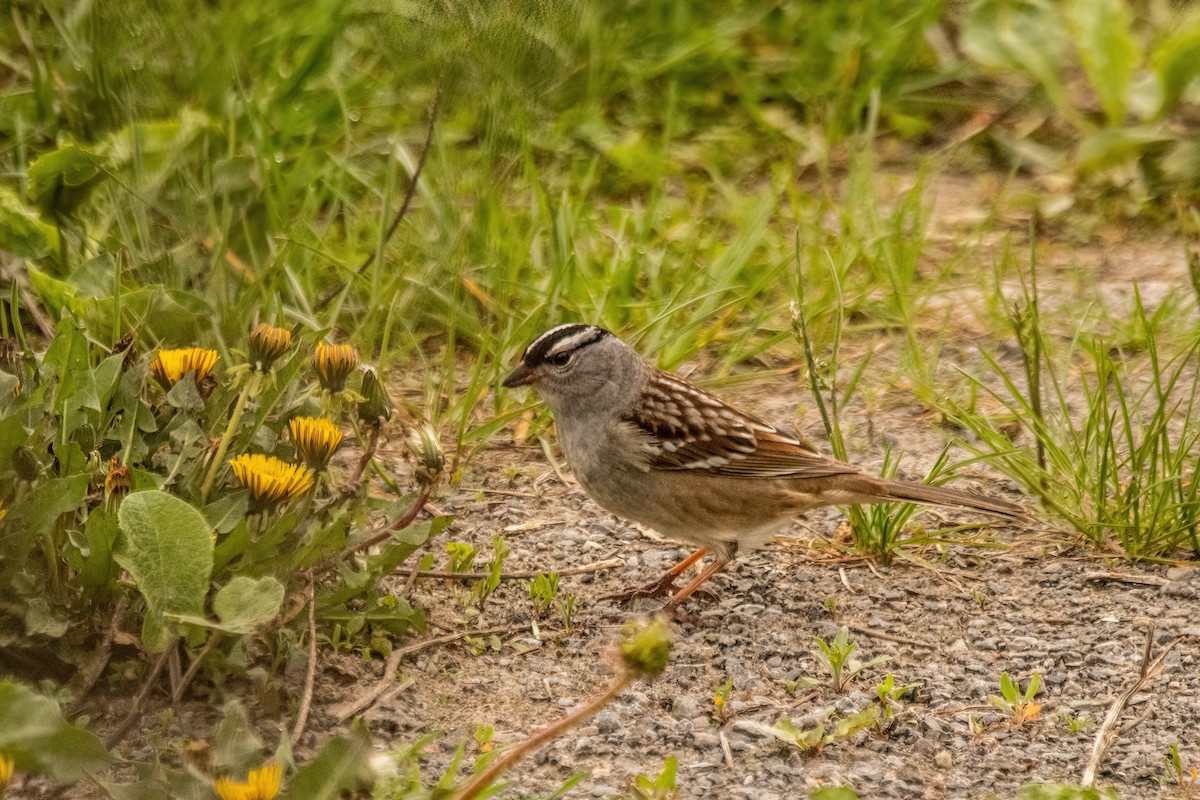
point(426, 450)
point(26, 464)
point(376, 407)
point(267, 343)
point(646, 647)
point(334, 363)
point(316, 440)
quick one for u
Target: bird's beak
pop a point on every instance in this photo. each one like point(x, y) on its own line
point(521, 376)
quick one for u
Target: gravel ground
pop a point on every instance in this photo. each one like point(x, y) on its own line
point(952, 626)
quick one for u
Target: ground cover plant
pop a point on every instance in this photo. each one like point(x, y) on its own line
point(263, 269)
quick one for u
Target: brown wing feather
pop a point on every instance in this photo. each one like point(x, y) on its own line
point(687, 428)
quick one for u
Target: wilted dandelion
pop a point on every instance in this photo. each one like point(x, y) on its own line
point(376, 406)
point(316, 440)
point(117, 480)
point(260, 784)
point(125, 345)
point(169, 366)
point(334, 363)
point(269, 479)
point(267, 343)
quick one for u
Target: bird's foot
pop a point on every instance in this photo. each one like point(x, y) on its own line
point(663, 587)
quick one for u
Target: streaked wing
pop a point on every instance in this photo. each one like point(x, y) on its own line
point(687, 428)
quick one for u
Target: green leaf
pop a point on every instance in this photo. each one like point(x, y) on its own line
point(1107, 50)
point(98, 567)
point(12, 436)
point(1025, 36)
point(166, 546)
point(228, 511)
point(244, 603)
point(1113, 146)
point(22, 231)
point(342, 766)
point(35, 736)
point(37, 513)
point(62, 179)
point(1177, 62)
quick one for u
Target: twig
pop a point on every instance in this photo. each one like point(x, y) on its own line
point(845, 580)
point(891, 637)
point(725, 748)
point(85, 679)
point(498, 766)
point(399, 524)
point(1106, 735)
point(1124, 577)
point(367, 455)
point(347, 710)
point(194, 667)
point(598, 566)
point(311, 675)
point(135, 711)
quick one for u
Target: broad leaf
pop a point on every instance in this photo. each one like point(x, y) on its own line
point(1177, 62)
point(22, 231)
point(34, 735)
point(341, 767)
point(244, 603)
point(1025, 36)
point(167, 548)
point(1107, 50)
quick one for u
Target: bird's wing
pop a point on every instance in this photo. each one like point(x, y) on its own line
point(685, 428)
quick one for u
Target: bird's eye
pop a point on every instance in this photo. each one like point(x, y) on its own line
point(560, 359)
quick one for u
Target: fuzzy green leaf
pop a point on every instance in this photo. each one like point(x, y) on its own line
point(244, 603)
point(166, 546)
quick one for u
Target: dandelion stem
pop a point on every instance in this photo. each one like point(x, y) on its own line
point(499, 766)
point(250, 389)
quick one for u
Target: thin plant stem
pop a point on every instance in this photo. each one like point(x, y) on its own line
point(506, 762)
point(249, 390)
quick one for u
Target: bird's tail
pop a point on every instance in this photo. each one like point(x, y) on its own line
point(876, 490)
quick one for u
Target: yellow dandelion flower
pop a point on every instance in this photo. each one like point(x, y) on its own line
point(334, 363)
point(260, 784)
point(169, 366)
point(269, 479)
point(316, 440)
point(268, 343)
point(3, 514)
point(6, 772)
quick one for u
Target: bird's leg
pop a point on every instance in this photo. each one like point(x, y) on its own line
point(664, 585)
point(693, 587)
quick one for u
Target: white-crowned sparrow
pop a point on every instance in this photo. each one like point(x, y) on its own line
point(653, 448)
